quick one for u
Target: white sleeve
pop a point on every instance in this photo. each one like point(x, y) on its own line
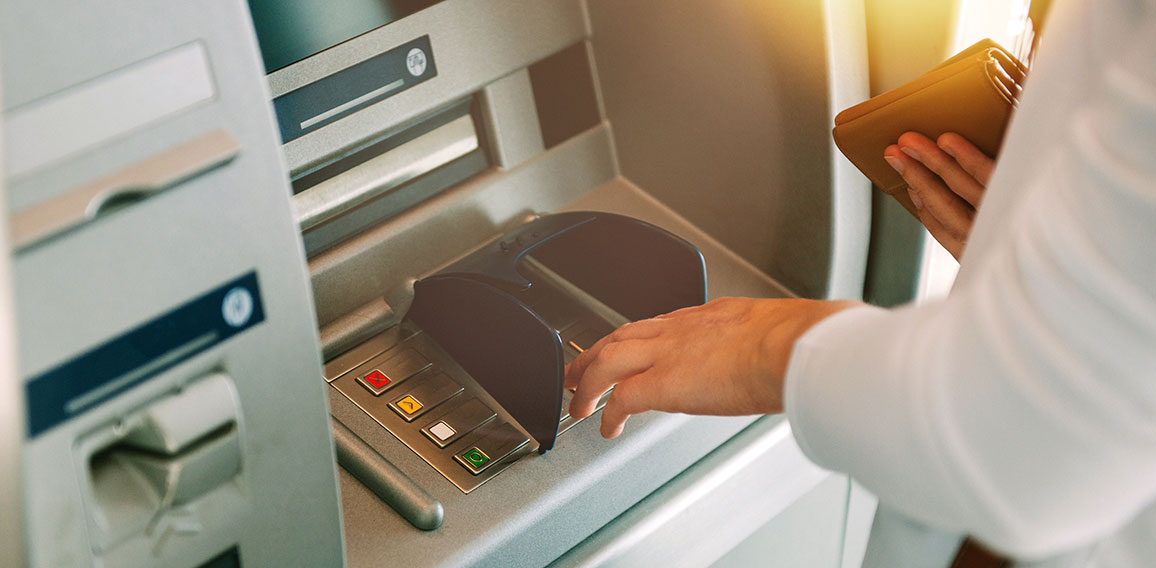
point(1022, 409)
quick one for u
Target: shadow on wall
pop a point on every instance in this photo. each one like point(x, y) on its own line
point(749, 163)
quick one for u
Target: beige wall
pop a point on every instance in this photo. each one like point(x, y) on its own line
point(907, 37)
point(1001, 20)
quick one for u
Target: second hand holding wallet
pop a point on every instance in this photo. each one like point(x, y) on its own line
point(972, 94)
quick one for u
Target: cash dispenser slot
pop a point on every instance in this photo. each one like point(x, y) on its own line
point(384, 172)
point(170, 454)
point(473, 381)
point(361, 186)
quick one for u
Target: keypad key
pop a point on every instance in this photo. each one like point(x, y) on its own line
point(494, 442)
point(424, 393)
point(458, 422)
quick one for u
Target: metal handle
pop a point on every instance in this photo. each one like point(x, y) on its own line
point(146, 177)
point(392, 486)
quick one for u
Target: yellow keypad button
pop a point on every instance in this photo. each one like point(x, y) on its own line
point(409, 405)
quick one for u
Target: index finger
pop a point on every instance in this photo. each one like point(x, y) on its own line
point(642, 329)
point(615, 361)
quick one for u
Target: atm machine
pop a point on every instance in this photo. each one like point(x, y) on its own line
point(293, 234)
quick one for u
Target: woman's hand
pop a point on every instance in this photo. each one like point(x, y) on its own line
point(946, 181)
point(727, 357)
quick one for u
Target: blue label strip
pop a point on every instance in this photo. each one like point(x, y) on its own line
point(146, 351)
point(345, 92)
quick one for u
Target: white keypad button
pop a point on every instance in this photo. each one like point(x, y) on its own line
point(442, 431)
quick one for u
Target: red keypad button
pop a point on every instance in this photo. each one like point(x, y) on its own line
point(377, 379)
point(375, 382)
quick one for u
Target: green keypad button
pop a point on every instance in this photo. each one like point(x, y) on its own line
point(476, 457)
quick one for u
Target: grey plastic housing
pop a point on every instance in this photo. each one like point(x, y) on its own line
point(122, 82)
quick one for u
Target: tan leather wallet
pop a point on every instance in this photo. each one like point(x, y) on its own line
point(972, 94)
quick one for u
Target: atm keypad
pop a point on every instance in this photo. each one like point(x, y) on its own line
point(423, 394)
point(426, 400)
point(458, 422)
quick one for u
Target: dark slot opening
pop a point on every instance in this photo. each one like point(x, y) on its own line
point(564, 94)
point(379, 146)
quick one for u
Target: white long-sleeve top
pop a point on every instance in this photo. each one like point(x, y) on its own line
point(1022, 408)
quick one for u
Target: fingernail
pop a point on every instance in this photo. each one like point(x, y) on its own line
point(910, 152)
point(947, 150)
point(895, 163)
point(915, 198)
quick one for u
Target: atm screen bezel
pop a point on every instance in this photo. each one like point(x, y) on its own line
point(270, 19)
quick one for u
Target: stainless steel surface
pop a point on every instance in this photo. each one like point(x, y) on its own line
point(370, 348)
point(383, 173)
point(388, 483)
point(355, 328)
point(140, 180)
